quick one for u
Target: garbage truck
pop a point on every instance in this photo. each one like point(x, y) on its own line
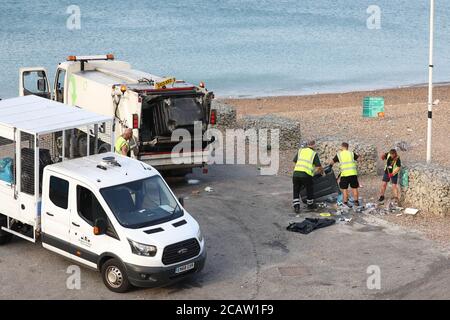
point(152, 106)
point(104, 211)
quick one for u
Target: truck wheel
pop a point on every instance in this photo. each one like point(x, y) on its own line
point(5, 238)
point(105, 147)
point(115, 277)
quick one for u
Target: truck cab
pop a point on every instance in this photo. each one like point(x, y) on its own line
point(153, 107)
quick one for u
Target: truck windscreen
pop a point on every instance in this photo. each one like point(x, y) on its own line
point(142, 203)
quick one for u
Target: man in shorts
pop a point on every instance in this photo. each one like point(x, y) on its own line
point(349, 173)
point(391, 173)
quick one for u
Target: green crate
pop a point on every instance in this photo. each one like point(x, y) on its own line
point(372, 106)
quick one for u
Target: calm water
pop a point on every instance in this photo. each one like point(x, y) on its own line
point(252, 47)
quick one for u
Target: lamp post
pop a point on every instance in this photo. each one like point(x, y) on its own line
point(430, 83)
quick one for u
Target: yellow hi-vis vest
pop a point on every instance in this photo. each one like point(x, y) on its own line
point(120, 142)
point(305, 161)
point(347, 163)
point(394, 164)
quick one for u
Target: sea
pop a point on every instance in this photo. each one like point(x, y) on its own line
point(248, 48)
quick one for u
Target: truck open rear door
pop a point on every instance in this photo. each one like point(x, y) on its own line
point(34, 81)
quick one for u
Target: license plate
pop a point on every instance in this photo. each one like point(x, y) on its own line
point(185, 268)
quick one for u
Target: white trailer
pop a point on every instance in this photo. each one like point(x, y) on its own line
point(152, 106)
point(104, 211)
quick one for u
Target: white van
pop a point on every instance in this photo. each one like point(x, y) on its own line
point(108, 212)
point(119, 216)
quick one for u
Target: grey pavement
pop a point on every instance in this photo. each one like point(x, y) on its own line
point(252, 256)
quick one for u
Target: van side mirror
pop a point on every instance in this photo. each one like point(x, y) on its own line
point(181, 201)
point(42, 85)
point(100, 226)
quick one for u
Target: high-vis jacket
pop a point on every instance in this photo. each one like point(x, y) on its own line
point(347, 163)
point(120, 142)
point(393, 165)
point(305, 161)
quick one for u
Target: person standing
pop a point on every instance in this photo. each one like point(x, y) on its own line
point(306, 161)
point(391, 173)
point(349, 173)
point(122, 145)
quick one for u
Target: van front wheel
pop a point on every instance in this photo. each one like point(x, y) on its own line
point(115, 277)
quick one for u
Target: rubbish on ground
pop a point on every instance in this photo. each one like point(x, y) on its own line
point(370, 210)
point(310, 224)
point(370, 205)
point(411, 211)
point(325, 214)
point(343, 219)
point(399, 214)
point(209, 189)
point(321, 205)
point(193, 181)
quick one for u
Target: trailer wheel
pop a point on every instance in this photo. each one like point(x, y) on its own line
point(114, 276)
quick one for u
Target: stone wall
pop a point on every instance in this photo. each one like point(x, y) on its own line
point(289, 129)
point(327, 149)
point(427, 188)
point(226, 114)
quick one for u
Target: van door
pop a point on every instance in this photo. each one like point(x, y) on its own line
point(86, 244)
point(34, 81)
point(60, 84)
point(56, 213)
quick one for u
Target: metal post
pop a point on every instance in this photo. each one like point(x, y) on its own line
point(430, 83)
point(88, 133)
point(63, 145)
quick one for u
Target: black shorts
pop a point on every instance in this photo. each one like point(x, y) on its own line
point(346, 181)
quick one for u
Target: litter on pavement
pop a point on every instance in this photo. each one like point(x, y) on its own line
point(310, 224)
point(209, 189)
point(411, 211)
point(325, 214)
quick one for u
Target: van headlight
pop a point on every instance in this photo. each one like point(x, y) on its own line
point(142, 249)
point(199, 235)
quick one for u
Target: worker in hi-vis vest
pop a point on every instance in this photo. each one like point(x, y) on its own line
point(122, 145)
point(349, 173)
point(391, 173)
point(306, 161)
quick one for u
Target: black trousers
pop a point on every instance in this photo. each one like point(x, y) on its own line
point(298, 182)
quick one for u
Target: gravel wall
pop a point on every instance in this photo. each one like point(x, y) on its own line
point(327, 149)
point(226, 114)
point(289, 129)
point(427, 188)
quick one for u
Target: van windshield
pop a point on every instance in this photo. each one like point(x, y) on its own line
point(142, 203)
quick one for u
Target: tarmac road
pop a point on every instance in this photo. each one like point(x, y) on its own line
point(252, 256)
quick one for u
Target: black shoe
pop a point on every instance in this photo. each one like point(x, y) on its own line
point(297, 208)
point(312, 206)
point(381, 199)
